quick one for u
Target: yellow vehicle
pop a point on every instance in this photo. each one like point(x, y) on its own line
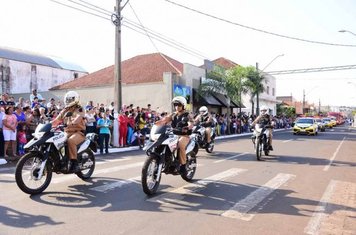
point(327, 122)
point(305, 126)
point(333, 121)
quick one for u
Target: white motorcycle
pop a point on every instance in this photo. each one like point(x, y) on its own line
point(47, 153)
point(260, 140)
point(163, 157)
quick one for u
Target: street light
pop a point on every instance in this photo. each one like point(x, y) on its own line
point(346, 31)
point(257, 95)
point(272, 61)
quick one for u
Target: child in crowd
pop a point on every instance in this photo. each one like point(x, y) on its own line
point(21, 138)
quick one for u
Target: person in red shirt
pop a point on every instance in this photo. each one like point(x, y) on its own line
point(123, 121)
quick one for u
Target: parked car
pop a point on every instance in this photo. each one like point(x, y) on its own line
point(327, 122)
point(321, 124)
point(305, 126)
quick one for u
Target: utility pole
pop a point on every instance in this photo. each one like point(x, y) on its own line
point(257, 96)
point(116, 19)
point(303, 101)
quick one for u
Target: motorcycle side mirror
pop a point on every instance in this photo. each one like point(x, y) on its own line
point(69, 114)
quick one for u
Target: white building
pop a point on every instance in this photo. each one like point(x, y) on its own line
point(21, 71)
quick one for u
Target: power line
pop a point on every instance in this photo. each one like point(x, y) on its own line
point(102, 9)
point(78, 9)
point(258, 30)
point(136, 27)
point(168, 40)
point(312, 70)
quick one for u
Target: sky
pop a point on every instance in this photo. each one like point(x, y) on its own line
point(48, 28)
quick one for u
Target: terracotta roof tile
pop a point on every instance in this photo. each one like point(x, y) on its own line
point(139, 69)
point(225, 63)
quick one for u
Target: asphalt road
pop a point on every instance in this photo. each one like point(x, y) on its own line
point(306, 186)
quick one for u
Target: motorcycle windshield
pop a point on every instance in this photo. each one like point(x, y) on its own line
point(44, 127)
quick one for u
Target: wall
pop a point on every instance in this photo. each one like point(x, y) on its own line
point(21, 77)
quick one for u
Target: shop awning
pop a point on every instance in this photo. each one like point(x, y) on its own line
point(206, 100)
point(223, 99)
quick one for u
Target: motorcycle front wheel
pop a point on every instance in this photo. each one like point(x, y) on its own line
point(27, 174)
point(191, 167)
point(87, 162)
point(149, 175)
point(259, 147)
point(210, 148)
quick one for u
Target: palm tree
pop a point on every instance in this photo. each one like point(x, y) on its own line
point(227, 82)
point(254, 84)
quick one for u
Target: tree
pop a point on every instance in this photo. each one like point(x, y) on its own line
point(227, 82)
point(254, 84)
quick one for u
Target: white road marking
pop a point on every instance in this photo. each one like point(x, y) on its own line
point(335, 211)
point(235, 156)
point(112, 160)
point(178, 194)
point(97, 172)
point(8, 175)
point(240, 209)
point(334, 155)
point(117, 184)
point(285, 141)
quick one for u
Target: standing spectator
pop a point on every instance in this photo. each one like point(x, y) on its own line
point(35, 94)
point(123, 120)
point(104, 125)
point(9, 131)
point(2, 114)
point(130, 128)
point(32, 122)
point(89, 105)
point(90, 120)
point(43, 117)
point(20, 115)
point(21, 102)
point(51, 105)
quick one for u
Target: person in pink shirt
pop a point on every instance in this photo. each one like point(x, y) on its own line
point(9, 130)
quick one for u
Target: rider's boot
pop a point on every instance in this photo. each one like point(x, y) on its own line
point(183, 169)
point(270, 148)
point(73, 166)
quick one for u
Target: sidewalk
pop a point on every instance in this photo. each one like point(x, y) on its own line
point(134, 148)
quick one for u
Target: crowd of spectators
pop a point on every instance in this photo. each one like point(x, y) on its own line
point(19, 119)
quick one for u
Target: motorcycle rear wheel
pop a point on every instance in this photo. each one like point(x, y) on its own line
point(89, 158)
point(28, 166)
point(149, 175)
point(191, 167)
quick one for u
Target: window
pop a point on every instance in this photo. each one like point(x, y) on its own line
point(75, 75)
point(273, 91)
point(267, 90)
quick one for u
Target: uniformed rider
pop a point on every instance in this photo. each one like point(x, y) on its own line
point(265, 119)
point(181, 121)
point(72, 117)
point(205, 119)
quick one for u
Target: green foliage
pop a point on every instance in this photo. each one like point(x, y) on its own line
point(287, 111)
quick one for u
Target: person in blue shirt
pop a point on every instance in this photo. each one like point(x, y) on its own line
point(104, 124)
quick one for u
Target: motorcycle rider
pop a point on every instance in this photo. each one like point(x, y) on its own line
point(205, 119)
point(73, 117)
point(265, 119)
point(182, 121)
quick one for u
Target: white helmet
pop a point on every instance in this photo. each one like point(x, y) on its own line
point(180, 100)
point(203, 110)
point(264, 108)
point(71, 98)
